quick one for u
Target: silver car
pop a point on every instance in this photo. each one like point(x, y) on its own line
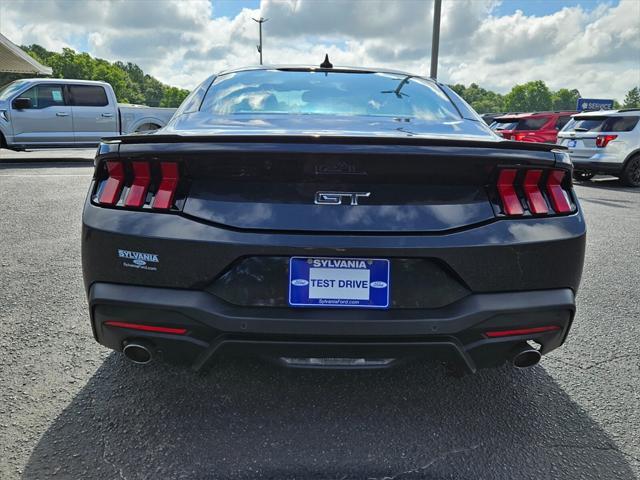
point(604, 142)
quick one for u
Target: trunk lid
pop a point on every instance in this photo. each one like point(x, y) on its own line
point(338, 184)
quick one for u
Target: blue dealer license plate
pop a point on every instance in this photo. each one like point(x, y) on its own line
point(338, 282)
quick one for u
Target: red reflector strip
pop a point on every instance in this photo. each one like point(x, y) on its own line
point(508, 197)
point(536, 201)
point(168, 185)
point(110, 192)
point(141, 180)
point(146, 328)
point(521, 331)
point(559, 198)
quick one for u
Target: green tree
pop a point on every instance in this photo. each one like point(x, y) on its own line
point(565, 99)
point(152, 90)
point(632, 99)
point(482, 101)
point(129, 81)
point(529, 97)
point(173, 97)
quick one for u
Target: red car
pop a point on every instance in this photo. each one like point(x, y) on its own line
point(531, 127)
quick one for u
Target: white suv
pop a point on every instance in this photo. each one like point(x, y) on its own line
point(605, 142)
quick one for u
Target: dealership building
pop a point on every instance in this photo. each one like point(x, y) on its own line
point(15, 60)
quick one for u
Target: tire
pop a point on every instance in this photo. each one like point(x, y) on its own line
point(631, 173)
point(582, 176)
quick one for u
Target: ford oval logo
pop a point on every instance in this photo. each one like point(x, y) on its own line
point(378, 284)
point(299, 282)
point(139, 262)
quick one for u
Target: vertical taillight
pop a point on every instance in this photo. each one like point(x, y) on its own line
point(139, 184)
point(559, 198)
point(533, 189)
point(110, 192)
point(169, 177)
point(507, 192)
point(536, 201)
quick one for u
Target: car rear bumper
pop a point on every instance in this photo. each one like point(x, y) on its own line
point(597, 161)
point(597, 167)
point(454, 334)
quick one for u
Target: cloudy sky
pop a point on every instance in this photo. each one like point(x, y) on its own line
point(592, 45)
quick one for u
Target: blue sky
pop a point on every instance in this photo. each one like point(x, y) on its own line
point(545, 7)
point(230, 8)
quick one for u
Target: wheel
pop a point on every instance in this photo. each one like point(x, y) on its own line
point(582, 176)
point(147, 127)
point(631, 173)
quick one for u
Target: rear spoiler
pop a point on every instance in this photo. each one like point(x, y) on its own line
point(152, 138)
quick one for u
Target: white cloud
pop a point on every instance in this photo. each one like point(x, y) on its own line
point(179, 42)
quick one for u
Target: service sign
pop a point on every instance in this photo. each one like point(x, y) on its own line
point(594, 104)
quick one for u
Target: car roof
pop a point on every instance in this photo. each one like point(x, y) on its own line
point(623, 112)
point(317, 68)
point(517, 116)
point(64, 80)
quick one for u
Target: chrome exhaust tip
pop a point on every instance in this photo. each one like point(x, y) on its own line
point(526, 356)
point(138, 352)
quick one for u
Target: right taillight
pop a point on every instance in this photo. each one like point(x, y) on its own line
point(138, 184)
point(110, 189)
point(533, 191)
point(603, 140)
point(533, 194)
point(559, 197)
point(507, 191)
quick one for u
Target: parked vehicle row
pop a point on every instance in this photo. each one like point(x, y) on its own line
point(599, 142)
point(531, 127)
point(54, 112)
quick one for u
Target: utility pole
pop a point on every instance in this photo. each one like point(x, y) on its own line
point(260, 22)
point(435, 38)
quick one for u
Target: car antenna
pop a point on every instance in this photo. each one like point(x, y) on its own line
point(326, 63)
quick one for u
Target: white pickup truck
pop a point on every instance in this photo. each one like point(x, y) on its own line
point(53, 112)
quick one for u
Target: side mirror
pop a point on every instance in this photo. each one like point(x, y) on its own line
point(22, 103)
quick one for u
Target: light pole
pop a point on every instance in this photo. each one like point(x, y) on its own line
point(260, 21)
point(435, 38)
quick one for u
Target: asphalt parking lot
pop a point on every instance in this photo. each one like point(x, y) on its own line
point(71, 409)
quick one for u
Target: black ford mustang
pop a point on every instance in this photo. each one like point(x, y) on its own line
point(334, 218)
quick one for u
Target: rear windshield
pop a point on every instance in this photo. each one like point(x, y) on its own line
point(601, 124)
point(503, 125)
point(520, 124)
point(328, 93)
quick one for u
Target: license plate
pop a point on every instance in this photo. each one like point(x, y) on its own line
point(338, 282)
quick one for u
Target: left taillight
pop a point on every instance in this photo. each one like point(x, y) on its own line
point(533, 191)
point(139, 185)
